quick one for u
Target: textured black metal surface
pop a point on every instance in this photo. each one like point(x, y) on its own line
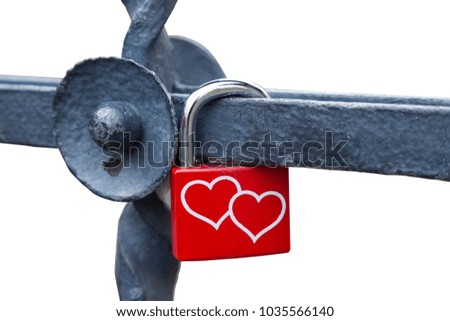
point(147, 41)
point(27, 102)
point(194, 65)
point(386, 134)
point(148, 44)
point(381, 138)
point(145, 267)
point(87, 86)
point(26, 110)
point(361, 98)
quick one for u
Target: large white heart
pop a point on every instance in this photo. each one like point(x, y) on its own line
point(258, 199)
point(210, 185)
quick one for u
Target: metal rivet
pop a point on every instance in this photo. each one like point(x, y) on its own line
point(115, 123)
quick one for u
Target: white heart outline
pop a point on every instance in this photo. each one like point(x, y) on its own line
point(258, 198)
point(210, 185)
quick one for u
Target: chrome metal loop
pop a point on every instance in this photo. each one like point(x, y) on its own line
point(212, 90)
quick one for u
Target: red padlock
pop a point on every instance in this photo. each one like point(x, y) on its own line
point(226, 212)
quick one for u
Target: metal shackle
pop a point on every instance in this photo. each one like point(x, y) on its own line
point(211, 90)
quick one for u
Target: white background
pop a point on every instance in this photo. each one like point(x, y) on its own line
point(373, 247)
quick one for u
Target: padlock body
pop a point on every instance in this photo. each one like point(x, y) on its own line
point(229, 212)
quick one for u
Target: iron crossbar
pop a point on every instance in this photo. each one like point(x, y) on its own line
point(382, 134)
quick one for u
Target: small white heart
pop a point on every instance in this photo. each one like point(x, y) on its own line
point(258, 199)
point(217, 224)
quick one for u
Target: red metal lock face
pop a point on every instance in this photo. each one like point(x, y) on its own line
point(226, 212)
